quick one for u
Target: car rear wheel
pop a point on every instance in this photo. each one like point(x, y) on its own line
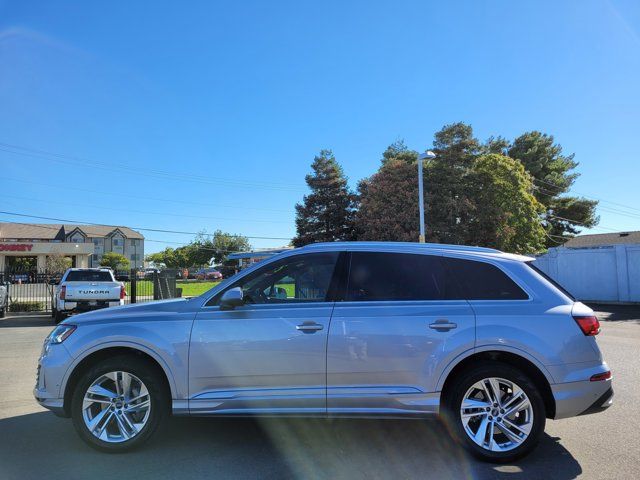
point(119, 404)
point(496, 412)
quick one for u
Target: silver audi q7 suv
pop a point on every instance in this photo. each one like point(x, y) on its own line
point(479, 336)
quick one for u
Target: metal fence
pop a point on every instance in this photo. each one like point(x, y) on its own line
point(33, 290)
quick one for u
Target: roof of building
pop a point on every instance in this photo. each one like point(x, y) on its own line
point(102, 230)
point(51, 231)
point(602, 239)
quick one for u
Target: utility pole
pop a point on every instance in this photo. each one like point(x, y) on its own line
point(428, 155)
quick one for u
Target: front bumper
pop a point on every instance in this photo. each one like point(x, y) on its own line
point(52, 366)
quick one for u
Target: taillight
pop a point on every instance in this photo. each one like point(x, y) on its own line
point(600, 376)
point(63, 292)
point(123, 292)
point(589, 325)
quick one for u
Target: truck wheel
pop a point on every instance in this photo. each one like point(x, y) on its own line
point(59, 316)
point(119, 403)
point(53, 312)
point(495, 411)
point(2, 311)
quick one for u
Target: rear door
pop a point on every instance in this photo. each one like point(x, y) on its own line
point(401, 321)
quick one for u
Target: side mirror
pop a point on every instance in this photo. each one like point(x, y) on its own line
point(231, 299)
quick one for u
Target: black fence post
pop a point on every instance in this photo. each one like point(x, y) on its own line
point(134, 285)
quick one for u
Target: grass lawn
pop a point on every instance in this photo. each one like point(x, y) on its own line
point(191, 289)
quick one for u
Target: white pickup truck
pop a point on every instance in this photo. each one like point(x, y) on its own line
point(85, 289)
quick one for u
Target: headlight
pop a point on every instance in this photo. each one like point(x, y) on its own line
point(60, 334)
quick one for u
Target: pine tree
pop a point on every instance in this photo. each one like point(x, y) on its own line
point(326, 214)
point(553, 175)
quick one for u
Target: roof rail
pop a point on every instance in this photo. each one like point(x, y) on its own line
point(435, 246)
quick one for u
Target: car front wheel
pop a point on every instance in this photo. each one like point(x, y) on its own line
point(496, 412)
point(119, 404)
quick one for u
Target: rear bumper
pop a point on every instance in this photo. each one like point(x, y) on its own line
point(79, 307)
point(581, 398)
point(604, 402)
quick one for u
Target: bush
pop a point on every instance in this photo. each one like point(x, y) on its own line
point(26, 307)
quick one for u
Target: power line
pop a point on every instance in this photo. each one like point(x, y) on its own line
point(145, 197)
point(135, 228)
point(71, 160)
point(563, 189)
point(181, 215)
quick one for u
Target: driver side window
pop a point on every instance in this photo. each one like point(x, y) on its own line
point(301, 278)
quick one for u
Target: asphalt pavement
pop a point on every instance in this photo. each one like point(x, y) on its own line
point(36, 444)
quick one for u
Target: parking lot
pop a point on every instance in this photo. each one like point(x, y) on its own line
point(36, 444)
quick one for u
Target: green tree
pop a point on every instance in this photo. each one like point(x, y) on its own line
point(507, 212)
point(217, 246)
point(554, 175)
point(115, 261)
point(170, 258)
point(327, 213)
point(451, 205)
point(388, 203)
point(201, 250)
point(58, 263)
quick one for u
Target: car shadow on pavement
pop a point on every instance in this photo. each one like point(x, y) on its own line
point(617, 313)
point(40, 445)
point(27, 321)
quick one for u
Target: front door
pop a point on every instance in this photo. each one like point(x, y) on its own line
point(268, 355)
point(400, 323)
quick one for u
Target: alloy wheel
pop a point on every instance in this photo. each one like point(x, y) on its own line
point(496, 414)
point(116, 407)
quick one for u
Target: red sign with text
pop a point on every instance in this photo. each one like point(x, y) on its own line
point(16, 247)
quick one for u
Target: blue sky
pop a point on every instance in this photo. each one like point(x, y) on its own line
point(189, 116)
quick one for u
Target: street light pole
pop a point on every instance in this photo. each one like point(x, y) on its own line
point(428, 155)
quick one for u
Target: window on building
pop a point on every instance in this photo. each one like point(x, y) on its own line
point(135, 242)
point(117, 242)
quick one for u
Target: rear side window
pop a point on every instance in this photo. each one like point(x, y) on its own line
point(378, 276)
point(88, 276)
point(483, 281)
point(551, 280)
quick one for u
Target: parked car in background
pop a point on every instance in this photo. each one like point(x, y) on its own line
point(208, 274)
point(123, 276)
point(4, 298)
point(85, 289)
point(149, 272)
point(476, 335)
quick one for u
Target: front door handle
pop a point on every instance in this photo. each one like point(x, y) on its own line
point(443, 325)
point(309, 327)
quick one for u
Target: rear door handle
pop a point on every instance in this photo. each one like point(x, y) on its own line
point(309, 327)
point(443, 325)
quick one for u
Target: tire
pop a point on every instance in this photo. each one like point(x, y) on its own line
point(139, 423)
point(525, 426)
point(59, 316)
point(2, 312)
point(53, 312)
